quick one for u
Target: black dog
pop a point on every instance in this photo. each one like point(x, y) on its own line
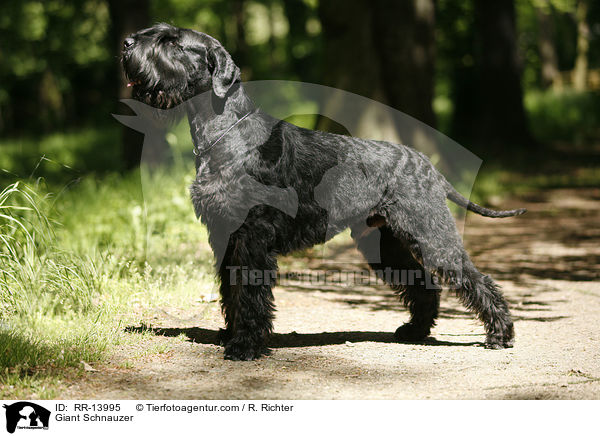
point(384, 192)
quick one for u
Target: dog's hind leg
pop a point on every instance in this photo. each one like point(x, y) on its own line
point(393, 262)
point(438, 248)
point(247, 274)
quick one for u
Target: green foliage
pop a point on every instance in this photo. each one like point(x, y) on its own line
point(52, 51)
point(268, 39)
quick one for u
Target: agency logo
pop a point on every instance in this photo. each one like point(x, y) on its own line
point(26, 415)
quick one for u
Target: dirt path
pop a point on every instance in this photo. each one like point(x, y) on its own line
point(548, 263)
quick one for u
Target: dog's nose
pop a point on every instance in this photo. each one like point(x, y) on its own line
point(128, 42)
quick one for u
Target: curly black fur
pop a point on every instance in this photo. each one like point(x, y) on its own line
point(389, 195)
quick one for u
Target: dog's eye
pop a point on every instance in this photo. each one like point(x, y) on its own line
point(170, 42)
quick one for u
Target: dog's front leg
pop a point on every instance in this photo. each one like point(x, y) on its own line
point(247, 274)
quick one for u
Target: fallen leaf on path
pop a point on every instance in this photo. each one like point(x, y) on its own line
point(88, 367)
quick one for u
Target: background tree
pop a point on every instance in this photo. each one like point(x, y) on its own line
point(548, 57)
point(54, 62)
point(384, 50)
point(488, 95)
point(404, 37)
point(127, 17)
point(580, 73)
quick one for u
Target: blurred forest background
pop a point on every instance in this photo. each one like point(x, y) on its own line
point(84, 252)
point(500, 77)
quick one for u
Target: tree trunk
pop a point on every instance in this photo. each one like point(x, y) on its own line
point(127, 16)
point(547, 47)
point(583, 44)
point(351, 64)
point(499, 120)
point(383, 50)
point(241, 46)
point(404, 38)
point(297, 14)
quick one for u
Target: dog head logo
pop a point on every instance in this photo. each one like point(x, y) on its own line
point(26, 415)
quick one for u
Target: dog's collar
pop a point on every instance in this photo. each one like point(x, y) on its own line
point(197, 152)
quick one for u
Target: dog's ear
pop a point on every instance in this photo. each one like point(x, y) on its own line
point(224, 71)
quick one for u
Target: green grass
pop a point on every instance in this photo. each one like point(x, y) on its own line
point(78, 265)
point(564, 116)
point(494, 183)
point(48, 318)
point(61, 156)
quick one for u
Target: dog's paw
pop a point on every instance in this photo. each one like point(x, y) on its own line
point(411, 333)
point(501, 340)
point(235, 350)
point(493, 344)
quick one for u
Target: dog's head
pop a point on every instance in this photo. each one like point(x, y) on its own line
point(167, 65)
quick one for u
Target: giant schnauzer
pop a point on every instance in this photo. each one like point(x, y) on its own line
point(382, 189)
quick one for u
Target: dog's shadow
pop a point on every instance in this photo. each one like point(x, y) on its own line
point(293, 339)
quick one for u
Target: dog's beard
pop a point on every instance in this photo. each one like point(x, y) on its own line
point(159, 99)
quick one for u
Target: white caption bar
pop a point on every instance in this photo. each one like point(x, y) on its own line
point(263, 417)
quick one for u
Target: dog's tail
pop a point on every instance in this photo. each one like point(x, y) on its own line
point(456, 197)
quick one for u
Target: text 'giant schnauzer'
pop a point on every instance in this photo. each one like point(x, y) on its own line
point(382, 189)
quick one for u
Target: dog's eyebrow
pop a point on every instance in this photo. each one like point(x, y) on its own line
point(172, 35)
point(189, 42)
point(164, 38)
